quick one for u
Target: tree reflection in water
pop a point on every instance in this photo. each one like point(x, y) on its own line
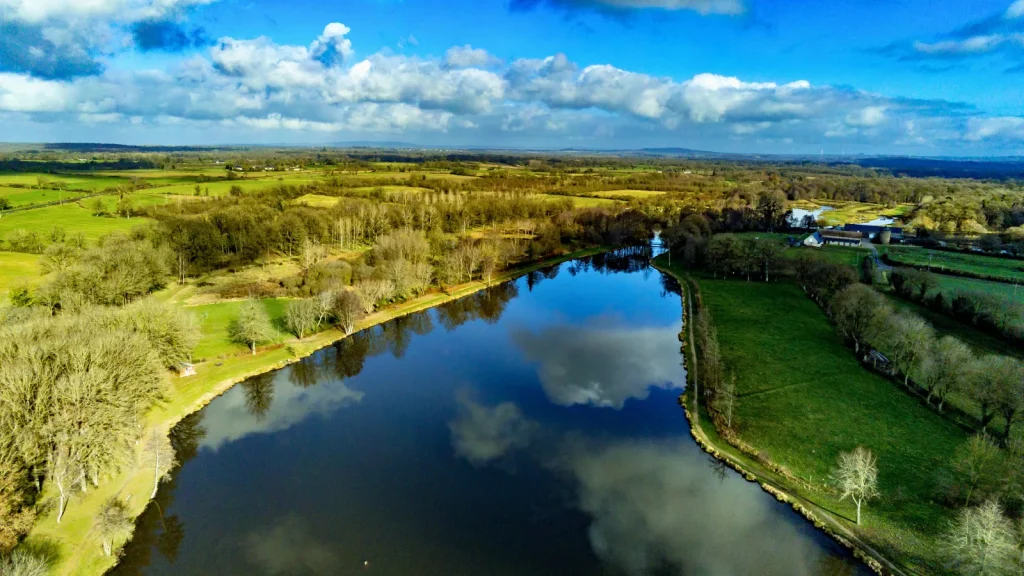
point(153, 530)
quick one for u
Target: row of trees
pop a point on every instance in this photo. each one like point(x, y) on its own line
point(943, 367)
point(998, 315)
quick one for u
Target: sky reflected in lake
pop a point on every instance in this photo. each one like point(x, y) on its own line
point(531, 429)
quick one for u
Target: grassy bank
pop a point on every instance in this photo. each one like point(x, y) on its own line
point(804, 398)
point(74, 540)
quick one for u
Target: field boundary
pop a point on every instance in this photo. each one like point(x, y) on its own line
point(888, 259)
point(771, 482)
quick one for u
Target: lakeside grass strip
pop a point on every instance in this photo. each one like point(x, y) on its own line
point(78, 548)
point(804, 429)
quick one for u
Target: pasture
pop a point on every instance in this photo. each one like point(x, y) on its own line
point(17, 269)
point(941, 261)
point(317, 200)
point(579, 201)
point(804, 398)
point(19, 197)
point(73, 217)
point(629, 193)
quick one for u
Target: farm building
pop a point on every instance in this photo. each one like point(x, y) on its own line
point(836, 237)
point(871, 232)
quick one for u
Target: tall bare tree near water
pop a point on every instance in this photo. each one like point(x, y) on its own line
point(857, 476)
point(159, 457)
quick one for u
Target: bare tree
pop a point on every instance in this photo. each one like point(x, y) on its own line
point(347, 310)
point(301, 316)
point(857, 476)
point(252, 325)
point(113, 524)
point(159, 455)
point(311, 254)
point(372, 291)
point(981, 541)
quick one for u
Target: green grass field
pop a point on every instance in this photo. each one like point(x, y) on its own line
point(17, 269)
point(72, 217)
point(630, 193)
point(579, 201)
point(75, 181)
point(939, 261)
point(956, 285)
point(372, 189)
point(317, 200)
point(216, 321)
point(19, 197)
point(804, 398)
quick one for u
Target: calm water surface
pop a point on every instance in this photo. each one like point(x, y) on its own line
point(531, 429)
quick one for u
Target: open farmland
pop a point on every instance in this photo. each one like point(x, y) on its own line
point(944, 262)
point(19, 197)
point(73, 218)
point(629, 193)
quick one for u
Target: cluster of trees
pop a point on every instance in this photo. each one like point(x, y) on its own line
point(73, 389)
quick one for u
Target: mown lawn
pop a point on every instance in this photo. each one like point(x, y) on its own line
point(74, 218)
point(804, 398)
point(215, 324)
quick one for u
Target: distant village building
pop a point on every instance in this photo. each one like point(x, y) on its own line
point(834, 237)
point(186, 369)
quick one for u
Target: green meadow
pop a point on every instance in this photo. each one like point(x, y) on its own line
point(73, 217)
point(941, 261)
point(804, 398)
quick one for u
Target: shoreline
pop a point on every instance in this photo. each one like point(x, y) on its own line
point(770, 482)
point(133, 485)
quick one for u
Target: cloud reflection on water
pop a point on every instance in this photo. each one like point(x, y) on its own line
point(231, 417)
point(657, 505)
point(482, 434)
point(290, 547)
point(603, 365)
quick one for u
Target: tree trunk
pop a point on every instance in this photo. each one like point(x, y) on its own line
point(156, 473)
point(858, 512)
point(253, 344)
point(60, 504)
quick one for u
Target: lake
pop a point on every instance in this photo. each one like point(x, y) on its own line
point(529, 429)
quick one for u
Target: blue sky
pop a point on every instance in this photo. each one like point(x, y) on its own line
point(861, 76)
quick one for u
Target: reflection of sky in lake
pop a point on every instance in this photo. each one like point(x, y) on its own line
point(542, 440)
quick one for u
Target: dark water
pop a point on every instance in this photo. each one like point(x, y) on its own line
point(531, 429)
